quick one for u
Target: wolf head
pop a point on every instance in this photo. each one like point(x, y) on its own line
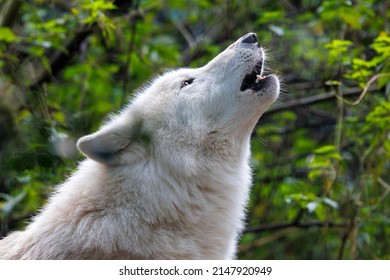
point(187, 115)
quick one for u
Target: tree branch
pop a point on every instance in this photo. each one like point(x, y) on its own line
point(313, 100)
point(9, 12)
point(282, 230)
point(266, 239)
point(305, 225)
point(59, 60)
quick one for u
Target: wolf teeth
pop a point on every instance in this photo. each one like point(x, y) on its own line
point(259, 77)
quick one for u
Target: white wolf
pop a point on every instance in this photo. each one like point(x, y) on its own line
point(168, 177)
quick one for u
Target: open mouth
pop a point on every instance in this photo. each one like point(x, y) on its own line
point(254, 80)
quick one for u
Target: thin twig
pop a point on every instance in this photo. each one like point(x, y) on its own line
point(312, 100)
point(191, 41)
point(266, 239)
point(5, 88)
point(328, 96)
point(365, 90)
point(340, 118)
point(348, 230)
point(387, 191)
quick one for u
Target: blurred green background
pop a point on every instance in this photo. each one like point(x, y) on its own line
point(321, 154)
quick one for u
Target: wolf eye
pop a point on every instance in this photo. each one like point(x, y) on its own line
point(186, 82)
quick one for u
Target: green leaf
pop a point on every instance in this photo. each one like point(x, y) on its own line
point(46, 63)
point(325, 149)
point(320, 212)
point(332, 83)
point(271, 16)
point(339, 45)
point(7, 35)
point(333, 204)
point(382, 44)
point(351, 17)
point(11, 202)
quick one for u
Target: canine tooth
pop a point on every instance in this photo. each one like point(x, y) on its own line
point(259, 77)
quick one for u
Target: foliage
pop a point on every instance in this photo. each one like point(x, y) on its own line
point(321, 171)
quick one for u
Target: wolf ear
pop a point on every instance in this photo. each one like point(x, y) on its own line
point(108, 144)
point(104, 146)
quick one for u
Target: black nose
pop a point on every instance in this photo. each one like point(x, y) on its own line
point(251, 38)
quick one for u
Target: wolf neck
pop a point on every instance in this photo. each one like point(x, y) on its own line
point(192, 156)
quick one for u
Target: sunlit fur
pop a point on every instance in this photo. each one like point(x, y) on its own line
point(166, 178)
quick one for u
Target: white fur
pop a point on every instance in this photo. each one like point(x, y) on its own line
point(167, 178)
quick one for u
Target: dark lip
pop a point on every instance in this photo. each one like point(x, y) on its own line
point(250, 80)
